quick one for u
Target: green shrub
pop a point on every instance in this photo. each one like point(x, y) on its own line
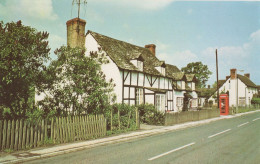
point(127, 117)
point(255, 101)
point(149, 115)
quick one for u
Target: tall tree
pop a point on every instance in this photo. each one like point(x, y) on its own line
point(201, 72)
point(23, 54)
point(76, 83)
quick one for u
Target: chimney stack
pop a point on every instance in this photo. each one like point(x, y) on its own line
point(227, 77)
point(247, 75)
point(233, 73)
point(151, 47)
point(76, 32)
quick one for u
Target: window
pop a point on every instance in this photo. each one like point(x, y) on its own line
point(182, 84)
point(179, 84)
point(139, 96)
point(140, 65)
point(193, 86)
point(194, 103)
point(179, 101)
point(160, 102)
point(242, 101)
point(163, 71)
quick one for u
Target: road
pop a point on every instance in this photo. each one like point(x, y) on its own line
point(235, 140)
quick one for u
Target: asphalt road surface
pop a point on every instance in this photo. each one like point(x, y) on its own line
point(235, 140)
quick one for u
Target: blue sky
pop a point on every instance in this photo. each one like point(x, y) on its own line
point(183, 31)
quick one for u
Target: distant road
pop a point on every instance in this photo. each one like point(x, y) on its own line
point(228, 141)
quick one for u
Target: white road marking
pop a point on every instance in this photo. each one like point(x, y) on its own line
point(243, 124)
point(219, 133)
point(256, 119)
point(166, 153)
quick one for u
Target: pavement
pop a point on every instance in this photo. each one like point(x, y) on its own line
point(145, 130)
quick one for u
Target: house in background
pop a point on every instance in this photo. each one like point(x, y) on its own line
point(139, 76)
point(233, 83)
point(203, 95)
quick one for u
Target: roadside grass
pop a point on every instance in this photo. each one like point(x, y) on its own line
point(232, 110)
point(243, 110)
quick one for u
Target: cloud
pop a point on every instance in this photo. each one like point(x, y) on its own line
point(37, 9)
point(141, 4)
point(244, 56)
point(189, 11)
point(179, 58)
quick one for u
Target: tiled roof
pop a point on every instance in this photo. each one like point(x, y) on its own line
point(190, 77)
point(206, 92)
point(246, 81)
point(122, 52)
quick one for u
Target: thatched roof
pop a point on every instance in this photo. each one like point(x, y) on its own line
point(122, 52)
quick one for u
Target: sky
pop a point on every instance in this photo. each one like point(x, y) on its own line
point(183, 31)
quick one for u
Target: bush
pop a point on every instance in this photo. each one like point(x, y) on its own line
point(149, 115)
point(127, 117)
point(255, 101)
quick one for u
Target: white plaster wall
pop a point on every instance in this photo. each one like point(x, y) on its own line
point(141, 79)
point(156, 83)
point(146, 82)
point(134, 78)
point(110, 70)
point(162, 83)
point(149, 99)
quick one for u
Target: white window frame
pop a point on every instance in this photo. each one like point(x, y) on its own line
point(163, 71)
point(139, 96)
point(160, 102)
point(179, 101)
point(140, 65)
point(194, 101)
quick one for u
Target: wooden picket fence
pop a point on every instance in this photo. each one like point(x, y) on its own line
point(19, 134)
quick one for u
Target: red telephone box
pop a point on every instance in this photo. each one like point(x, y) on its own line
point(224, 104)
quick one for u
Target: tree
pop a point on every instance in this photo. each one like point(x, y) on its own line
point(201, 72)
point(23, 54)
point(76, 83)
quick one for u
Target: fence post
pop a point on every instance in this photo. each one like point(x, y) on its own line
point(12, 134)
point(4, 135)
point(24, 135)
point(8, 135)
point(128, 122)
point(42, 132)
point(118, 112)
point(111, 128)
point(1, 131)
point(28, 135)
point(137, 118)
point(16, 135)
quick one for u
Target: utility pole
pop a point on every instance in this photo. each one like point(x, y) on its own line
point(217, 76)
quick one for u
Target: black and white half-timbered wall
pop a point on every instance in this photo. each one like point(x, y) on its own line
point(139, 76)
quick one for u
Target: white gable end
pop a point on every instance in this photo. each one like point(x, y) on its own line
point(110, 70)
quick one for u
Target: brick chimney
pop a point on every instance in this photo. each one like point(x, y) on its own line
point(76, 32)
point(227, 77)
point(233, 73)
point(151, 47)
point(247, 75)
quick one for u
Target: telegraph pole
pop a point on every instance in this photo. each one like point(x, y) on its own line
point(217, 76)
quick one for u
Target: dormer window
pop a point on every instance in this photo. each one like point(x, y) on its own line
point(140, 65)
point(163, 71)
